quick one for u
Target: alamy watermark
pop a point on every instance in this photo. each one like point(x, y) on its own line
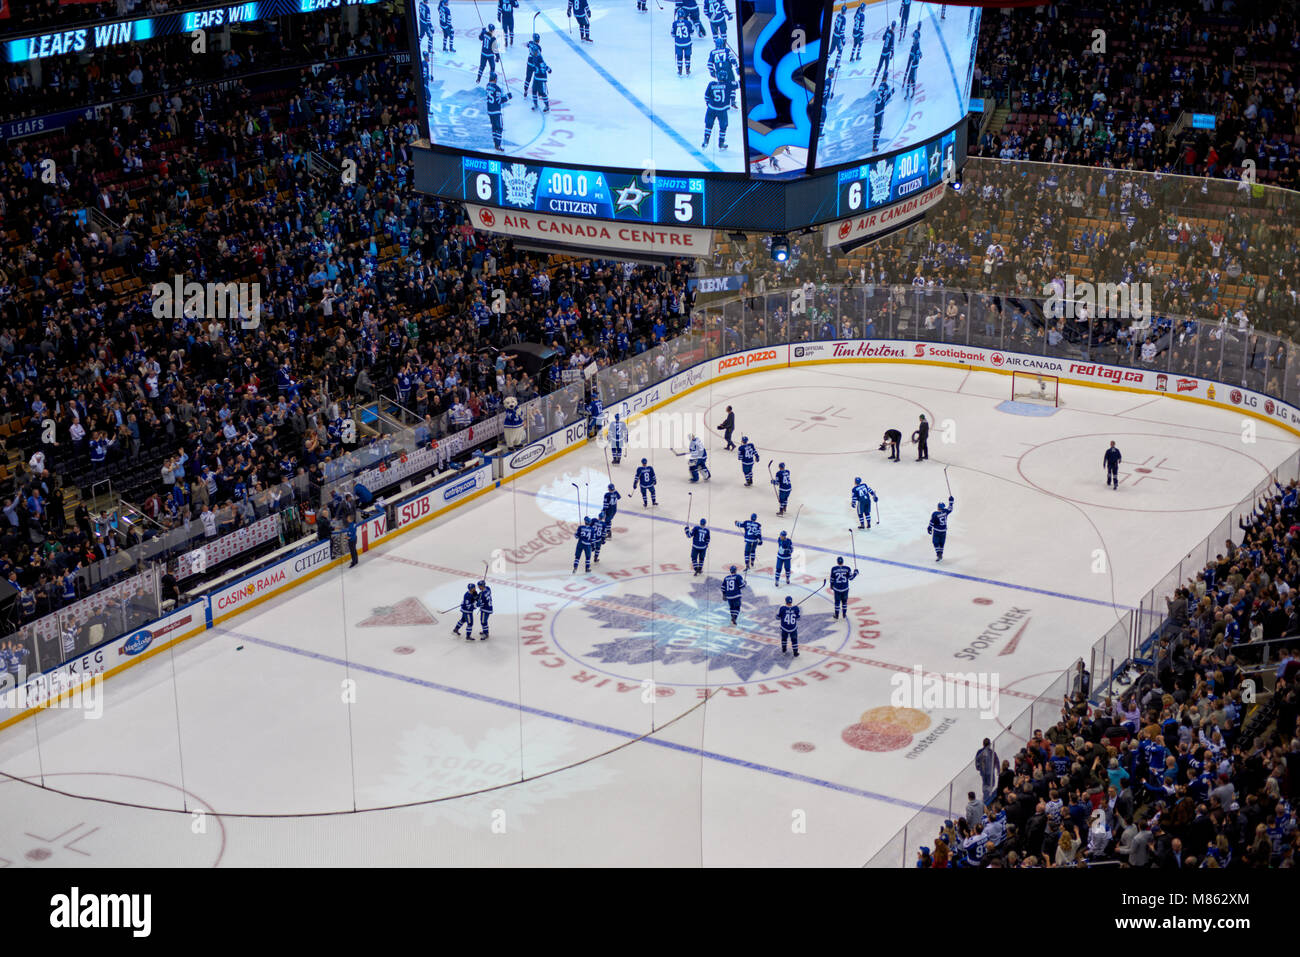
point(655, 430)
point(1084, 300)
point(974, 691)
point(55, 691)
point(208, 300)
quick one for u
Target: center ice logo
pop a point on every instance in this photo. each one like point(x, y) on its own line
point(697, 630)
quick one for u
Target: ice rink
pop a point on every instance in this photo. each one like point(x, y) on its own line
point(616, 717)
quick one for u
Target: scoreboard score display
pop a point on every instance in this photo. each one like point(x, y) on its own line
point(693, 116)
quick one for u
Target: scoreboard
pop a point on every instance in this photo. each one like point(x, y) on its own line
point(599, 194)
point(709, 201)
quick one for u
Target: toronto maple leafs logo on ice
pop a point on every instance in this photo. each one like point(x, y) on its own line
point(520, 184)
point(696, 629)
point(880, 174)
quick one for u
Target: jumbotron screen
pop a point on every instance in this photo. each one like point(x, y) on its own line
point(624, 85)
point(897, 73)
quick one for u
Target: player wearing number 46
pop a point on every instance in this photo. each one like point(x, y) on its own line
point(861, 498)
point(938, 527)
point(1111, 460)
point(788, 616)
point(699, 536)
point(731, 586)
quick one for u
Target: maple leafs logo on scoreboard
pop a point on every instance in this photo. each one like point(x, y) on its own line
point(520, 185)
point(880, 177)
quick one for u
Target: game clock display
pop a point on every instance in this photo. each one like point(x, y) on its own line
point(595, 194)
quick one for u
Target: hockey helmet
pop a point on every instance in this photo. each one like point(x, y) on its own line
point(491, 27)
point(744, 439)
point(753, 516)
point(719, 42)
point(840, 560)
point(482, 584)
point(940, 505)
point(611, 486)
point(470, 586)
point(537, 38)
point(858, 480)
point(643, 461)
point(780, 465)
point(703, 522)
point(783, 533)
point(733, 569)
point(587, 520)
point(788, 599)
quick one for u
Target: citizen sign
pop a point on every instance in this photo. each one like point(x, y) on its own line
point(311, 559)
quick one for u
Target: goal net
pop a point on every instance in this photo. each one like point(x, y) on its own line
point(1033, 387)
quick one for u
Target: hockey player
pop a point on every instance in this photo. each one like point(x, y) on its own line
point(840, 577)
point(884, 93)
point(595, 416)
point(426, 25)
point(617, 438)
point(903, 12)
point(893, 438)
point(697, 456)
point(599, 533)
point(487, 54)
point(725, 68)
point(731, 586)
point(586, 537)
point(699, 536)
point(860, 498)
point(938, 528)
point(581, 9)
point(683, 40)
point(922, 440)
point(506, 14)
point(610, 509)
point(748, 455)
point(541, 71)
point(717, 97)
point(753, 538)
point(837, 37)
point(691, 10)
point(783, 487)
point(886, 54)
point(467, 605)
point(484, 609)
point(496, 101)
point(788, 616)
point(913, 64)
point(643, 6)
point(718, 13)
point(784, 550)
point(534, 57)
point(645, 480)
point(859, 32)
point(448, 32)
point(1111, 461)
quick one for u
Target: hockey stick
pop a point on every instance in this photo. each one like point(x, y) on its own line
point(608, 471)
point(945, 481)
point(587, 502)
point(449, 610)
point(577, 494)
point(854, 547)
point(676, 453)
point(690, 500)
point(810, 594)
point(797, 513)
point(485, 570)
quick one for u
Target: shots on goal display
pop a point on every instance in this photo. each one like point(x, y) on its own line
point(634, 85)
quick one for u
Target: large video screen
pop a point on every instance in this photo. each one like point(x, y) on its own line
point(635, 85)
point(896, 73)
point(782, 60)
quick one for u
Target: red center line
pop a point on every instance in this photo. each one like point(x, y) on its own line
point(721, 629)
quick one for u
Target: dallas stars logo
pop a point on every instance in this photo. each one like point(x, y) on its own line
point(654, 628)
point(630, 197)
